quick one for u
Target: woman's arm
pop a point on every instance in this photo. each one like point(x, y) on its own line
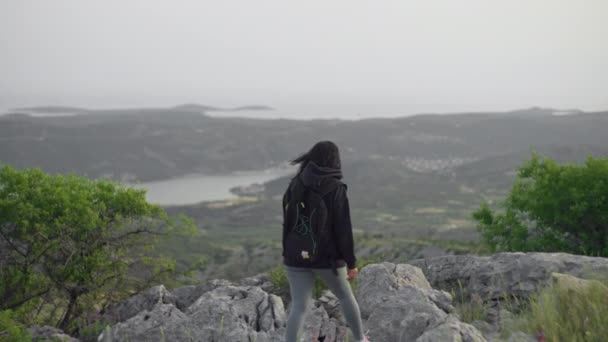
point(343, 228)
point(286, 198)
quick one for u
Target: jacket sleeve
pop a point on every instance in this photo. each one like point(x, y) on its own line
point(284, 207)
point(343, 227)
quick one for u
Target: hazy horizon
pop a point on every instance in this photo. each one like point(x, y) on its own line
point(338, 59)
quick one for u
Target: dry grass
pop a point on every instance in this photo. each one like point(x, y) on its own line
point(564, 314)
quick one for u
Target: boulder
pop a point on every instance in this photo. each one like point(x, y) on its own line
point(505, 274)
point(398, 304)
point(571, 283)
point(144, 301)
point(46, 333)
point(261, 280)
point(316, 324)
point(186, 295)
point(331, 304)
point(380, 283)
point(320, 325)
point(452, 330)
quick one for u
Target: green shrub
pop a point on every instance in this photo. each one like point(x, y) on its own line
point(10, 330)
point(318, 288)
point(361, 263)
point(551, 208)
point(278, 278)
point(75, 243)
point(91, 331)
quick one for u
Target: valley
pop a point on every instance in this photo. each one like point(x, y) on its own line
point(413, 181)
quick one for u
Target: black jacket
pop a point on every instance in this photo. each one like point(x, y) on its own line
point(338, 210)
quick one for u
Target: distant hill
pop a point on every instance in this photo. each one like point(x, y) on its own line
point(254, 107)
point(52, 109)
point(187, 107)
point(150, 144)
point(193, 107)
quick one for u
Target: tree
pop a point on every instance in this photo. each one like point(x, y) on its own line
point(65, 240)
point(552, 207)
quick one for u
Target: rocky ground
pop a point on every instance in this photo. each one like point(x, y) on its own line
point(399, 302)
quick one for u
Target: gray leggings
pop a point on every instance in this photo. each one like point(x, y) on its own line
point(301, 282)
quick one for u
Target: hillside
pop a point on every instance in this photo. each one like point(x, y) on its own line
point(413, 181)
point(151, 144)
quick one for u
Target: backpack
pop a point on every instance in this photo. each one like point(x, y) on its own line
point(307, 231)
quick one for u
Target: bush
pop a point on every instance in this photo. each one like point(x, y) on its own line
point(69, 244)
point(551, 208)
point(10, 330)
point(278, 278)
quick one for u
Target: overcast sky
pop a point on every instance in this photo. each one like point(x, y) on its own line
point(340, 57)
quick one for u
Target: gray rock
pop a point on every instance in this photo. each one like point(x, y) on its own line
point(315, 324)
point(148, 325)
point(318, 325)
point(331, 304)
point(404, 317)
point(442, 299)
point(515, 274)
point(399, 305)
point(186, 295)
point(227, 313)
point(144, 301)
point(47, 333)
point(381, 283)
point(261, 280)
point(237, 313)
point(452, 330)
point(396, 301)
point(570, 283)
point(252, 305)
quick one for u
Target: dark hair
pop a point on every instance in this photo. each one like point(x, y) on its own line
point(323, 153)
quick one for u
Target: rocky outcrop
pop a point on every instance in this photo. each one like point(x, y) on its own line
point(505, 274)
point(399, 302)
point(227, 313)
point(503, 281)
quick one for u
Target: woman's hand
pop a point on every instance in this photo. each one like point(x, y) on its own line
point(352, 273)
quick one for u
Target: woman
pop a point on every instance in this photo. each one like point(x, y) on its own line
point(320, 173)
